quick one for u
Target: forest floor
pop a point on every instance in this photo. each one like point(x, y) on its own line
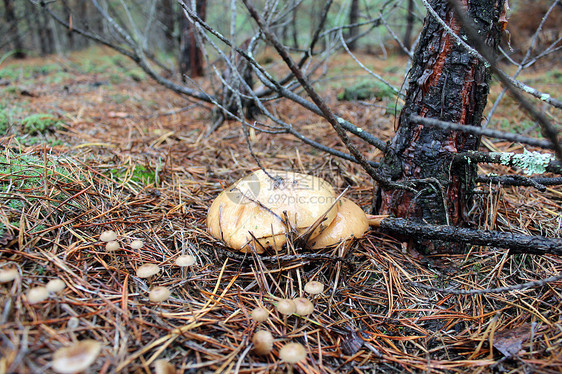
point(91, 144)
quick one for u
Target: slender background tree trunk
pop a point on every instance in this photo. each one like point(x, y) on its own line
point(167, 21)
point(445, 83)
point(409, 25)
point(353, 31)
point(13, 31)
point(191, 56)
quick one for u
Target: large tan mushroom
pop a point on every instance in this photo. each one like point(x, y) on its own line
point(350, 223)
point(255, 207)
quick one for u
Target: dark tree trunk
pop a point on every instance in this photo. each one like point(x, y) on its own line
point(46, 41)
point(353, 31)
point(294, 29)
point(13, 29)
point(69, 34)
point(191, 56)
point(409, 25)
point(82, 16)
point(449, 84)
point(167, 21)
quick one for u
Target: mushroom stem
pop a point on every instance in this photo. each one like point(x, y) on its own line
point(375, 221)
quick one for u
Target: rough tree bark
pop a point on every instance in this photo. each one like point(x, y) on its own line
point(446, 83)
point(191, 56)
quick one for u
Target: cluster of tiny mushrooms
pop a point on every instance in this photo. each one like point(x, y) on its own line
point(81, 354)
point(263, 209)
point(256, 213)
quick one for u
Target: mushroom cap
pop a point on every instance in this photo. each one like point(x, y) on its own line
point(350, 222)
point(108, 236)
point(37, 294)
point(260, 314)
point(136, 244)
point(185, 260)
point(55, 285)
point(286, 306)
point(159, 294)
point(8, 275)
point(162, 366)
point(263, 342)
point(147, 270)
point(304, 306)
point(292, 353)
point(112, 246)
point(314, 287)
point(256, 204)
point(77, 357)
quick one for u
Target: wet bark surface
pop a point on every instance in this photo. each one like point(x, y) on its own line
point(449, 84)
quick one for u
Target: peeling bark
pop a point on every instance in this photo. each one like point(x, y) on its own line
point(446, 83)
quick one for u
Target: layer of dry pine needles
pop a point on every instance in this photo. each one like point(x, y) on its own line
point(153, 178)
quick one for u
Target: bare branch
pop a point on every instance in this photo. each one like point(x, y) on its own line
point(550, 165)
point(539, 183)
point(482, 131)
point(328, 114)
point(516, 243)
point(520, 66)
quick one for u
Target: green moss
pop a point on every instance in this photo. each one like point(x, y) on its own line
point(40, 123)
point(139, 175)
point(366, 90)
point(5, 122)
point(136, 74)
point(26, 175)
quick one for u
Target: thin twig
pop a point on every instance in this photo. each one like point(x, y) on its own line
point(482, 131)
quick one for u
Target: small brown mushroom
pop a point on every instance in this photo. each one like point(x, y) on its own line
point(147, 270)
point(286, 307)
point(292, 353)
point(164, 367)
point(108, 236)
point(185, 260)
point(263, 342)
point(159, 294)
point(259, 314)
point(255, 207)
point(350, 223)
point(314, 288)
point(304, 306)
point(112, 246)
point(8, 275)
point(77, 357)
point(55, 285)
point(37, 294)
